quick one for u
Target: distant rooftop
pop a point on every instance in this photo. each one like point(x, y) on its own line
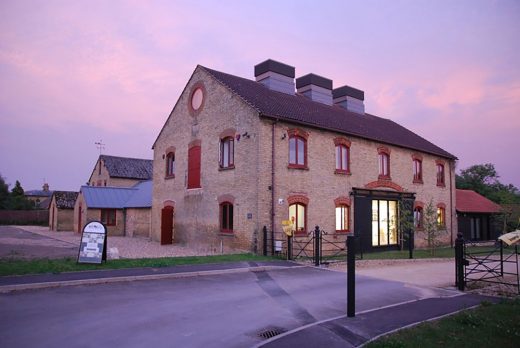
point(129, 168)
point(106, 197)
point(468, 201)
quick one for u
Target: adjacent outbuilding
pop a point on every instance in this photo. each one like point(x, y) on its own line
point(61, 210)
point(125, 211)
point(476, 216)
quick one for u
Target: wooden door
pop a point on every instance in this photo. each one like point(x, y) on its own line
point(167, 225)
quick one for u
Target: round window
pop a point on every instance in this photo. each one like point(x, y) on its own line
point(196, 99)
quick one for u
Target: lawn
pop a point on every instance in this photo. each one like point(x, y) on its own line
point(18, 267)
point(424, 253)
point(486, 326)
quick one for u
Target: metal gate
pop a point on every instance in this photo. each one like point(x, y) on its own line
point(494, 264)
point(317, 245)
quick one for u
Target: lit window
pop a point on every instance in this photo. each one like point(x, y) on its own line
point(440, 174)
point(227, 151)
point(342, 158)
point(342, 218)
point(297, 152)
point(226, 217)
point(108, 217)
point(417, 170)
point(441, 217)
point(384, 165)
point(170, 164)
point(297, 216)
point(418, 217)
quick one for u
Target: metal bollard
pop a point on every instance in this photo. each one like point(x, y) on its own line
point(317, 240)
point(459, 262)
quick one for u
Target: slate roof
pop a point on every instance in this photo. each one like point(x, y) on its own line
point(65, 199)
point(45, 204)
point(106, 197)
point(468, 201)
point(129, 168)
point(300, 109)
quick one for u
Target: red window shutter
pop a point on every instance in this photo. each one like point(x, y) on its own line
point(194, 167)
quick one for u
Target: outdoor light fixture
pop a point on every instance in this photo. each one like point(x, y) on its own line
point(246, 135)
point(284, 135)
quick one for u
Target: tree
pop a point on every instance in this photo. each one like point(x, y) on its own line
point(17, 190)
point(405, 222)
point(484, 179)
point(4, 193)
point(431, 227)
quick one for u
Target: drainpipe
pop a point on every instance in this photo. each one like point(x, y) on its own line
point(451, 206)
point(272, 179)
point(124, 222)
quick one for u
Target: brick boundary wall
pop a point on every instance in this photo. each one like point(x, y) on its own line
point(24, 217)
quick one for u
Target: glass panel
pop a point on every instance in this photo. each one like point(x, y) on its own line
point(338, 218)
point(225, 154)
point(392, 213)
point(231, 151)
point(292, 150)
point(383, 222)
point(301, 217)
point(338, 157)
point(230, 211)
point(345, 218)
point(344, 159)
point(301, 152)
point(224, 216)
point(375, 223)
point(292, 213)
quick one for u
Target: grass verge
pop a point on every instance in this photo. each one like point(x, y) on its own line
point(423, 253)
point(489, 325)
point(20, 267)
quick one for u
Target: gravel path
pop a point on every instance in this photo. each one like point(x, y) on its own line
point(127, 247)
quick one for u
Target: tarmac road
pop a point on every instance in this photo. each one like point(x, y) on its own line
point(226, 310)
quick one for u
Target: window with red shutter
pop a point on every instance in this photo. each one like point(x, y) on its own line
point(194, 167)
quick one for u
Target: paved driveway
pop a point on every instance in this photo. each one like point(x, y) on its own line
point(20, 244)
point(228, 310)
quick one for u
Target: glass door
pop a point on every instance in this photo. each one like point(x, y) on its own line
point(384, 223)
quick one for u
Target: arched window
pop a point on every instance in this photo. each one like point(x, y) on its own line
point(418, 217)
point(342, 218)
point(440, 174)
point(417, 170)
point(170, 164)
point(384, 162)
point(441, 216)
point(297, 214)
point(342, 158)
point(297, 152)
point(226, 217)
point(227, 152)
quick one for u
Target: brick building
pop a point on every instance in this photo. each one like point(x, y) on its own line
point(61, 210)
point(236, 155)
point(125, 211)
point(120, 171)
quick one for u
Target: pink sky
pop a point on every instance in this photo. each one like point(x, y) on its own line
point(76, 72)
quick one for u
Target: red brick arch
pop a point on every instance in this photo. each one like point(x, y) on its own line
point(384, 183)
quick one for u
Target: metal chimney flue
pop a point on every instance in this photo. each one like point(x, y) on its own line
point(276, 76)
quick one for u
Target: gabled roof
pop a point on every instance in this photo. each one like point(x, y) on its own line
point(106, 197)
point(65, 199)
point(468, 201)
point(129, 168)
point(300, 109)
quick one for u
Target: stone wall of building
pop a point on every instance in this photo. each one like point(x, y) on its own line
point(249, 184)
point(102, 178)
point(138, 222)
point(197, 210)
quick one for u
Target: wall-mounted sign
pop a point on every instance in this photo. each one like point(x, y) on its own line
point(93, 247)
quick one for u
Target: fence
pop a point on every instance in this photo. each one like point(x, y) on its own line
point(495, 265)
point(24, 217)
point(317, 245)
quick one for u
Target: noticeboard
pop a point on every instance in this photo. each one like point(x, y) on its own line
point(93, 246)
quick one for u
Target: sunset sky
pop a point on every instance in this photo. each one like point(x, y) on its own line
point(76, 72)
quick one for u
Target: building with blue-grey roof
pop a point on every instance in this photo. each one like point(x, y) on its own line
point(125, 211)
